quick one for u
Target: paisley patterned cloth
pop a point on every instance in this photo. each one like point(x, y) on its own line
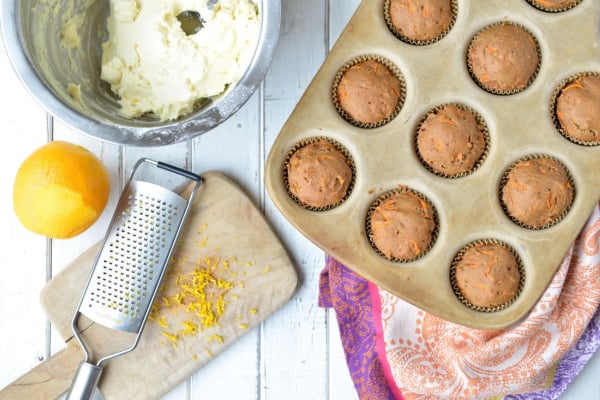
point(396, 351)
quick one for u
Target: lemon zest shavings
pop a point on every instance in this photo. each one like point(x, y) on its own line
point(216, 338)
point(172, 338)
point(199, 288)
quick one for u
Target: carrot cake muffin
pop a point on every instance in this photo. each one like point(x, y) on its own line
point(577, 109)
point(554, 5)
point(487, 275)
point(537, 192)
point(451, 140)
point(319, 174)
point(402, 226)
point(503, 58)
point(419, 20)
point(369, 92)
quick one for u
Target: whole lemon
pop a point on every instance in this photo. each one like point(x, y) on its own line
point(60, 190)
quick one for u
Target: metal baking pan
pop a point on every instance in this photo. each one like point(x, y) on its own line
point(469, 207)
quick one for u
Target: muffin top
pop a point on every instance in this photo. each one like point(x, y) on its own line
point(319, 174)
point(487, 275)
point(537, 192)
point(577, 108)
point(402, 226)
point(503, 58)
point(554, 5)
point(369, 92)
point(420, 20)
point(451, 140)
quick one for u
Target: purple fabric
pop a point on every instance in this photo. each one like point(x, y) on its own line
point(348, 294)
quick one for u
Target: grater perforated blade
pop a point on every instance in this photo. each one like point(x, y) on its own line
point(133, 256)
point(130, 265)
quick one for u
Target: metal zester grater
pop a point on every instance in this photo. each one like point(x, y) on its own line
point(130, 265)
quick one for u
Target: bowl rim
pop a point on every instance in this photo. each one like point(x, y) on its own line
point(173, 132)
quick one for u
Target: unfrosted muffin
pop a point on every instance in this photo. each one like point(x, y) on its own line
point(369, 93)
point(503, 58)
point(402, 226)
point(487, 274)
point(537, 192)
point(578, 109)
point(554, 5)
point(319, 174)
point(451, 140)
point(419, 21)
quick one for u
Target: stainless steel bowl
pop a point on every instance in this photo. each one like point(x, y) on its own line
point(31, 32)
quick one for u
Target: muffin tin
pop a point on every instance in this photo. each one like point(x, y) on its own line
point(468, 207)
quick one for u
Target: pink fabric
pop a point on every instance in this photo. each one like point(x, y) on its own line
point(430, 356)
point(379, 343)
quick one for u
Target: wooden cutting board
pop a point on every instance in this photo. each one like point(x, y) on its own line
point(224, 232)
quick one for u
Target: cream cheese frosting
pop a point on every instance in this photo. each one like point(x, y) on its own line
point(154, 67)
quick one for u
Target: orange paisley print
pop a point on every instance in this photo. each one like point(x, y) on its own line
point(431, 358)
point(591, 244)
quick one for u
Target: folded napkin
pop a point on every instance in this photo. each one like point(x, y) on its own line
point(397, 351)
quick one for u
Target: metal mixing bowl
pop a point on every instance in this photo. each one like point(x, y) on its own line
point(31, 32)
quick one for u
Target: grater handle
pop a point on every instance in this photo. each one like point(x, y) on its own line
point(180, 171)
point(85, 381)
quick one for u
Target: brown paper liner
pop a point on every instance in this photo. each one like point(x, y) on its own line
point(391, 66)
point(540, 6)
point(337, 145)
point(386, 195)
point(459, 294)
point(503, 92)
point(504, 179)
point(554, 100)
point(405, 39)
point(479, 162)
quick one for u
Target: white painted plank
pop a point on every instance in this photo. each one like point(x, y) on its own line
point(175, 154)
point(233, 149)
point(294, 354)
point(23, 269)
point(231, 374)
point(340, 12)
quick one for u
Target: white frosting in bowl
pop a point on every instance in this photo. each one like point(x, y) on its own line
point(155, 67)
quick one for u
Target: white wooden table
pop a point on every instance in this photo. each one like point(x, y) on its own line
point(295, 354)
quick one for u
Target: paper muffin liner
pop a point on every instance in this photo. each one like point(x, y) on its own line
point(537, 4)
point(481, 159)
point(553, 104)
point(504, 92)
point(366, 57)
point(504, 179)
point(388, 194)
point(338, 146)
point(459, 256)
point(405, 39)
